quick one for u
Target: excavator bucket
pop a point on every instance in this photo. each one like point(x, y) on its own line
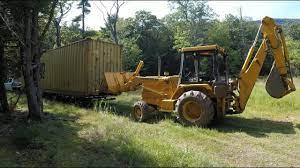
point(276, 86)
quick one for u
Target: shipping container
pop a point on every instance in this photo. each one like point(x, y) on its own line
point(78, 69)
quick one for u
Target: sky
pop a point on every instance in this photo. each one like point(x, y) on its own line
point(254, 9)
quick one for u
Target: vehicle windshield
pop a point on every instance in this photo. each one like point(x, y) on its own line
point(197, 69)
point(203, 68)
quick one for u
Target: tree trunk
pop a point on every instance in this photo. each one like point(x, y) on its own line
point(83, 17)
point(58, 37)
point(3, 97)
point(37, 59)
point(31, 88)
point(115, 34)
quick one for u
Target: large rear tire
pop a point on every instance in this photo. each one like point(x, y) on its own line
point(194, 108)
point(141, 111)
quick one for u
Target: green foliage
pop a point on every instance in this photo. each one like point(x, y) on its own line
point(92, 34)
point(294, 56)
point(294, 31)
point(43, 6)
point(128, 38)
point(70, 33)
point(86, 10)
point(219, 34)
point(132, 53)
point(189, 22)
point(145, 37)
point(236, 36)
point(49, 40)
point(181, 39)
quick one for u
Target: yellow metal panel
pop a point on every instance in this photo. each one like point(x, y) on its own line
point(203, 48)
point(116, 80)
point(168, 105)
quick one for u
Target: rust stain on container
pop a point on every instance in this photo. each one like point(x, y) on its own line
point(78, 69)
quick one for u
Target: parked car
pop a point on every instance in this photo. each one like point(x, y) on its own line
point(12, 84)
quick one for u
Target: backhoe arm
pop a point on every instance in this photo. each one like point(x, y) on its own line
point(280, 82)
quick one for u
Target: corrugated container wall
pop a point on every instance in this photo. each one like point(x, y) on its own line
point(78, 69)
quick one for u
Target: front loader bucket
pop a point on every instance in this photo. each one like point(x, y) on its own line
point(275, 85)
point(116, 81)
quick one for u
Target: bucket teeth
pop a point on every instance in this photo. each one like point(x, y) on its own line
point(275, 85)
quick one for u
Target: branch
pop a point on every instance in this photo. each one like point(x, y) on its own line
point(103, 15)
point(68, 8)
point(10, 29)
point(113, 6)
point(118, 8)
point(104, 6)
point(62, 13)
point(121, 4)
point(51, 15)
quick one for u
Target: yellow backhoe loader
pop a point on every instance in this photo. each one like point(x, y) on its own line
point(203, 91)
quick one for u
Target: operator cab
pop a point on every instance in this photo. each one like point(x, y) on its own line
point(203, 64)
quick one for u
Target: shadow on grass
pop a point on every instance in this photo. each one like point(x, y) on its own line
point(79, 102)
point(256, 127)
point(124, 109)
point(121, 109)
point(298, 126)
point(55, 142)
point(109, 104)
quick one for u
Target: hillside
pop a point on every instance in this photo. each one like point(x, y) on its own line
point(282, 21)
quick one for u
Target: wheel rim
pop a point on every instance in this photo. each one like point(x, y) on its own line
point(137, 113)
point(191, 111)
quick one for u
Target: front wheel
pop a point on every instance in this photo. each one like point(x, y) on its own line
point(141, 111)
point(194, 108)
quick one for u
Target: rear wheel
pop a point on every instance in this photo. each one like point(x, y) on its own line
point(141, 111)
point(194, 108)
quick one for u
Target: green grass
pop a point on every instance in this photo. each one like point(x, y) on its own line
point(266, 134)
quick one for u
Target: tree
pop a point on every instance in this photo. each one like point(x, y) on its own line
point(189, 21)
point(70, 33)
point(294, 31)
point(84, 5)
point(63, 9)
point(147, 38)
point(3, 97)
point(226, 34)
point(128, 38)
point(23, 18)
point(294, 50)
point(112, 19)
